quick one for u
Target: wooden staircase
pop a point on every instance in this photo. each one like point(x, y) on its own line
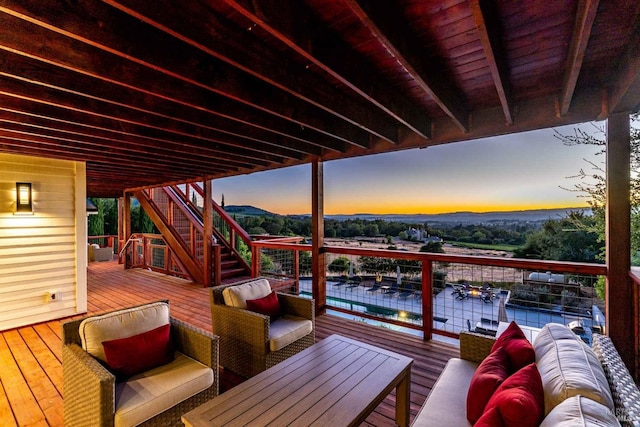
point(177, 213)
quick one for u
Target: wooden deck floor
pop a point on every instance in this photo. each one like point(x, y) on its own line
point(30, 357)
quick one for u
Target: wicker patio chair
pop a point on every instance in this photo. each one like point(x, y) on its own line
point(90, 389)
point(244, 335)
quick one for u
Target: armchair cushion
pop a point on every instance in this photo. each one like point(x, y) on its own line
point(145, 395)
point(269, 305)
point(237, 295)
point(121, 324)
point(139, 353)
point(286, 330)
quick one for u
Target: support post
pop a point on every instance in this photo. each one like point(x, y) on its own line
point(121, 233)
point(126, 221)
point(619, 287)
point(318, 257)
point(427, 299)
point(207, 241)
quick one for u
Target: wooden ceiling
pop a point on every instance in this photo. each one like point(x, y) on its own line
point(151, 92)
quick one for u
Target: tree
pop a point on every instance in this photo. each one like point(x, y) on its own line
point(339, 265)
point(96, 221)
point(569, 239)
point(433, 247)
point(592, 185)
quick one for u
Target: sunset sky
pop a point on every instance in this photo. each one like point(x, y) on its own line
point(514, 172)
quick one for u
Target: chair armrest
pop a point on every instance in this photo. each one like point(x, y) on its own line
point(195, 343)
point(475, 347)
point(89, 389)
point(297, 306)
point(253, 327)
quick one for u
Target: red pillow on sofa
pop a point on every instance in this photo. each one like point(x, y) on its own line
point(269, 305)
point(520, 399)
point(489, 375)
point(490, 418)
point(139, 353)
point(519, 350)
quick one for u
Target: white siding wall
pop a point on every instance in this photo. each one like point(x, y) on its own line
point(46, 251)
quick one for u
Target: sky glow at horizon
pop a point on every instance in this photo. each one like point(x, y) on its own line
point(520, 171)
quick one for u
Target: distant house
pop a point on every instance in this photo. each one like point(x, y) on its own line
point(421, 236)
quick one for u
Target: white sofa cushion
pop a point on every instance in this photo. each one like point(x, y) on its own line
point(568, 367)
point(287, 329)
point(446, 403)
point(121, 324)
point(237, 296)
point(580, 411)
point(145, 395)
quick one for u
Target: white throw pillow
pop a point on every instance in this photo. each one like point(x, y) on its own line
point(580, 411)
point(237, 296)
point(568, 367)
point(121, 324)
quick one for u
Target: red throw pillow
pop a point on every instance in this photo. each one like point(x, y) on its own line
point(490, 418)
point(489, 375)
point(269, 305)
point(139, 353)
point(520, 399)
point(519, 349)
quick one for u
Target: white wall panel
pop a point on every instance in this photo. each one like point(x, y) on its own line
point(45, 251)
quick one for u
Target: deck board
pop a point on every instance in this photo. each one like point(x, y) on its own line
point(31, 375)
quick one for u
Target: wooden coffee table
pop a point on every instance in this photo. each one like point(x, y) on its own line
point(337, 381)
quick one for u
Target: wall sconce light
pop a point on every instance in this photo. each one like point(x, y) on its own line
point(24, 199)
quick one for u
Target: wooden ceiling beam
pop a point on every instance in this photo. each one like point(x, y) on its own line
point(157, 63)
point(101, 126)
point(172, 97)
point(308, 40)
point(253, 138)
point(585, 15)
point(75, 149)
point(276, 69)
point(385, 22)
point(624, 93)
point(487, 21)
point(142, 124)
point(145, 150)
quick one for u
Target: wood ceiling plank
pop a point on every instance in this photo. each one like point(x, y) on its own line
point(227, 133)
point(294, 25)
point(155, 62)
point(486, 17)
point(153, 152)
point(148, 125)
point(253, 57)
point(585, 17)
point(384, 21)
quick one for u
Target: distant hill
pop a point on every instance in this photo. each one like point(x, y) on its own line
point(469, 217)
point(247, 210)
point(453, 217)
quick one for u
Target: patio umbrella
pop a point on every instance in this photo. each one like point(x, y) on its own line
point(398, 276)
point(502, 312)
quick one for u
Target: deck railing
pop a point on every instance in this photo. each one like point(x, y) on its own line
point(150, 251)
point(106, 241)
point(441, 293)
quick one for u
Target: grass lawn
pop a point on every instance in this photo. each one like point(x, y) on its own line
point(508, 248)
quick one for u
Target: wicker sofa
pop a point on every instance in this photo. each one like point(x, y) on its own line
point(247, 338)
point(160, 396)
point(446, 403)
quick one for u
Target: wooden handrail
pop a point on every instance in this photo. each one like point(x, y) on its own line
point(225, 217)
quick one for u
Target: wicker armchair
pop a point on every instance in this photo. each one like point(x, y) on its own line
point(244, 335)
point(90, 390)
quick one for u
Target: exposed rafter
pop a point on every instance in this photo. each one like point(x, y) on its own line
point(585, 16)
point(339, 61)
point(624, 94)
point(385, 22)
point(488, 24)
